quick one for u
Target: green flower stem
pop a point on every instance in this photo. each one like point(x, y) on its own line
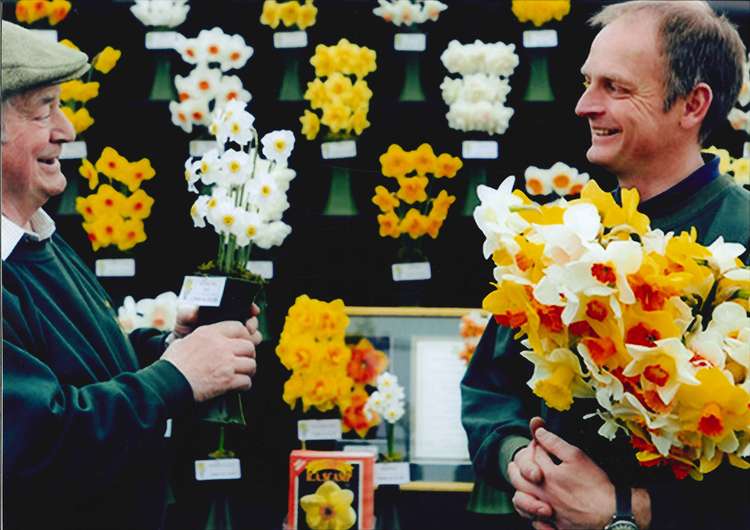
point(221, 438)
point(390, 435)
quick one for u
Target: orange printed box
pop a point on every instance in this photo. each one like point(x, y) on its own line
point(330, 489)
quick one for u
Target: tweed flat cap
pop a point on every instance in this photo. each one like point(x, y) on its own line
point(30, 61)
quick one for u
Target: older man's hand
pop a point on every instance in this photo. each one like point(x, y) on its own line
point(187, 320)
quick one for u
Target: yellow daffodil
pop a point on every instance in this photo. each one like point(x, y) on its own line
point(317, 94)
point(323, 61)
point(69, 44)
point(614, 215)
point(77, 90)
point(57, 11)
point(112, 164)
point(88, 227)
point(557, 378)
point(107, 201)
point(424, 159)
point(85, 208)
point(138, 205)
point(89, 172)
point(396, 162)
point(306, 15)
point(80, 119)
point(292, 389)
point(358, 121)
point(107, 229)
point(447, 166)
point(741, 171)
point(271, 14)
point(414, 223)
point(441, 204)
point(360, 94)
point(412, 189)
point(389, 225)
point(329, 508)
point(310, 124)
point(106, 59)
point(29, 11)
point(131, 233)
point(336, 116)
point(288, 12)
point(337, 85)
point(540, 11)
point(364, 62)
point(384, 199)
point(345, 54)
point(725, 159)
point(135, 173)
point(434, 223)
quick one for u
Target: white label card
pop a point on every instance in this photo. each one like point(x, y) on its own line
point(480, 149)
point(203, 291)
point(121, 268)
point(72, 150)
point(290, 39)
point(47, 34)
point(264, 269)
point(319, 430)
point(410, 42)
point(362, 449)
point(392, 473)
point(405, 272)
point(540, 38)
point(218, 469)
point(168, 429)
point(343, 149)
point(746, 150)
point(201, 147)
point(163, 40)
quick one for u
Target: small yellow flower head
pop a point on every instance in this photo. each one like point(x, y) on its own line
point(337, 85)
point(107, 59)
point(289, 11)
point(441, 204)
point(107, 229)
point(317, 94)
point(434, 224)
point(336, 116)
point(447, 166)
point(80, 119)
point(414, 223)
point(89, 172)
point(77, 90)
point(424, 159)
point(741, 171)
point(57, 11)
point(556, 389)
point(329, 507)
point(412, 189)
point(389, 225)
point(323, 61)
point(138, 205)
point(112, 164)
point(310, 124)
point(29, 11)
point(725, 159)
point(306, 15)
point(358, 121)
point(85, 208)
point(69, 44)
point(270, 15)
point(130, 234)
point(384, 199)
point(396, 162)
point(540, 11)
point(108, 201)
point(136, 173)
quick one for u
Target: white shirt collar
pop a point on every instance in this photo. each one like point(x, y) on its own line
point(42, 227)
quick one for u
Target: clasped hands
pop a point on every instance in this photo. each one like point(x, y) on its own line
point(558, 486)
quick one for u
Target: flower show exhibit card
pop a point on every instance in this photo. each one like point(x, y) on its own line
point(290, 39)
point(746, 150)
point(480, 149)
point(218, 469)
point(389, 473)
point(47, 34)
point(264, 269)
point(374, 449)
point(437, 434)
point(163, 40)
point(201, 147)
point(319, 429)
point(540, 38)
point(72, 150)
point(120, 267)
point(406, 272)
point(203, 291)
point(410, 42)
point(343, 149)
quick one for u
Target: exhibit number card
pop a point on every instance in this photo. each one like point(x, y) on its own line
point(480, 149)
point(218, 469)
point(205, 291)
point(392, 473)
point(437, 370)
point(540, 38)
point(410, 42)
point(163, 40)
point(290, 39)
point(406, 272)
point(342, 149)
point(72, 150)
point(119, 267)
point(319, 430)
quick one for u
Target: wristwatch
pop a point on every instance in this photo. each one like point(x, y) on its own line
point(623, 518)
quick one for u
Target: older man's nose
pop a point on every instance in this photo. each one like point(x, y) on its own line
point(63, 130)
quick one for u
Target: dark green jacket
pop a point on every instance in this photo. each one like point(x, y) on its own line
point(497, 404)
point(84, 416)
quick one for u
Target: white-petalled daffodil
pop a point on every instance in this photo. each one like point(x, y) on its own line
point(739, 120)
point(190, 51)
point(181, 115)
point(191, 174)
point(278, 145)
point(609, 389)
point(662, 428)
point(211, 167)
point(272, 234)
point(236, 53)
point(497, 217)
point(569, 241)
point(161, 13)
point(159, 312)
point(199, 211)
point(235, 124)
point(656, 241)
point(128, 317)
point(230, 88)
point(247, 228)
point(724, 254)
point(562, 178)
point(538, 181)
point(236, 167)
point(557, 378)
point(214, 43)
point(225, 217)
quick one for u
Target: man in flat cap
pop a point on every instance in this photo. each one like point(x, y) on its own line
point(85, 406)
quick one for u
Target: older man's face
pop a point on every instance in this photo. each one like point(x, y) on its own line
point(35, 130)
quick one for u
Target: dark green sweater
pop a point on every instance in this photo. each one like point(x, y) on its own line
point(84, 416)
point(497, 404)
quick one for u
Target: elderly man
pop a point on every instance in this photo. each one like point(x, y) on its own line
point(660, 76)
point(85, 406)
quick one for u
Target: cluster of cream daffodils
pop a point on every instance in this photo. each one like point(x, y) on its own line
point(160, 13)
point(476, 101)
point(653, 326)
point(560, 179)
point(206, 87)
point(738, 118)
point(408, 12)
point(159, 312)
point(540, 11)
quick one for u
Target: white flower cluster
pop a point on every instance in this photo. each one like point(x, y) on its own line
point(560, 178)
point(159, 313)
point(477, 100)
point(407, 12)
point(248, 193)
point(206, 86)
point(161, 13)
point(387, 400)
point(740, 119)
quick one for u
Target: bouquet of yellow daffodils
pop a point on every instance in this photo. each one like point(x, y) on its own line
point(540, 12)
point(30, 11)
point(405, 211)
point(326, 372)
point(112, 216)
point(653, 326)
point(343, 103)
point(76, 94)
point(290, 13)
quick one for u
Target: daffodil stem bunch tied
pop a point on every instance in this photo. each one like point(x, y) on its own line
point(114, 215)
point(412, 211)
point(76, 94)
point(344, 104)
point(612, 310)
point(244, 195)
point(30, 11)
point(290, 13)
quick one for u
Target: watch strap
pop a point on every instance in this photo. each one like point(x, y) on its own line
point(623, 506)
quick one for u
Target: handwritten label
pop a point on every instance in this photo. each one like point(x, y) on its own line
point(540, 38)
point(480, 149)
point(290, 39)
point(122, 267)
point(168, 429)
point(410, 42)
point(319, 430)
point(362, 449)
point(203, 291)
point(343, 149)
point(201, 147)
point(392, 473)
point(264, 269)
point(163, 40)
point(46, 34)
point(71, 150)
point(405, 272)
point(219, 469)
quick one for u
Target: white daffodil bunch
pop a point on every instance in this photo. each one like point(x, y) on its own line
point(213, 52)
point(560, 179)
point(160, 13)
point(476, 101)
point(739, 119)
point(159, 312)
point(407, 12)
point(388, 400)
point(246, 193)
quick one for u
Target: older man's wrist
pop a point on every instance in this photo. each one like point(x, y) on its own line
point(508, 449)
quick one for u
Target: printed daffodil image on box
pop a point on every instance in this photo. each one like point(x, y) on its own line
point(329, 508)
